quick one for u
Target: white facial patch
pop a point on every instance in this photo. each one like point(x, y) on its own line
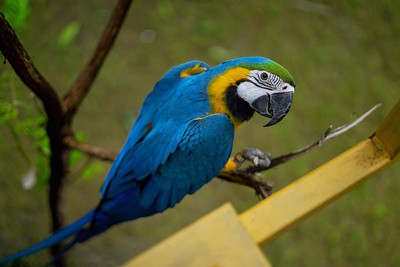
point(249, 91)
point(261, 83)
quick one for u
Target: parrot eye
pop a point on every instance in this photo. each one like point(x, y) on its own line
point(264, 76)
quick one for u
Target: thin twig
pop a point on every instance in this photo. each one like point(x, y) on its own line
point(328, 135)
point(90, 150)
point(262, 188)
point(82, 84)
point(339, 130)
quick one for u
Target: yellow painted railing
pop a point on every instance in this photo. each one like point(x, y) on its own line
point(224, 238)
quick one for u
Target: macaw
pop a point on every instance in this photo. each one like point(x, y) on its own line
point(181, 140)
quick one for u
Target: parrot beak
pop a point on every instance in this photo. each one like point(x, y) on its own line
point(274, 106)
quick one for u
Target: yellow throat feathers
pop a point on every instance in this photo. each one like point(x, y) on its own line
point(217, 91)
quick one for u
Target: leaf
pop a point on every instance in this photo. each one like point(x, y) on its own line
point(7, 112)
point(16, 12)
point(75, 156)
point(41, 120)
point(80, 136)
point(42, 169)
point(68, 34)
point(91, 170)
point(43, 145)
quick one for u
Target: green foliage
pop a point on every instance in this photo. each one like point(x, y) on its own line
point(68, 34)
point(91, 170)
point(34, 129)
point(16, 12)
point(75, 156)
point(7, 112)
point(30, 130)
point(42, 169)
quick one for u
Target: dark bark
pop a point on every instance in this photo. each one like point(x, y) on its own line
point(59, 113)
point(59, 165)
point(90, 150)
point(82, 84)
point(22, 64)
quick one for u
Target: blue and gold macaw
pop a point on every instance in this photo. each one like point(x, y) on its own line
point(181, 140)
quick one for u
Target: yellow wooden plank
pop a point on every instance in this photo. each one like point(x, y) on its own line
point(389, 132)
point(218, 239)
point(318, 188)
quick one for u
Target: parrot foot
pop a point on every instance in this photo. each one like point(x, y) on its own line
point(232, 172)
point(255, 155)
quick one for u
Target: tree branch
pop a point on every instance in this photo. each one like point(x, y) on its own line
point(22, 64)
point(82, 84)
point(90, 150)
point(262, 188)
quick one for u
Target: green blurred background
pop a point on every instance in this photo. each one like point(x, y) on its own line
point(343, 54)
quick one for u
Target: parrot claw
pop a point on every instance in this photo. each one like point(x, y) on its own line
point(255, 161)
point(254, 155)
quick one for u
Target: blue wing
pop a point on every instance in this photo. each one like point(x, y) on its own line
point(201, 154)
point(158, 129)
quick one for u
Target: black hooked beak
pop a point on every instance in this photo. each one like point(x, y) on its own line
point(274, 106)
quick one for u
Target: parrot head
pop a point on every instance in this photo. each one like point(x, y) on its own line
point(267, 92)
point(253, 84)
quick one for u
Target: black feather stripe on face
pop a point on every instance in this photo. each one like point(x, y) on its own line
point(239, 108)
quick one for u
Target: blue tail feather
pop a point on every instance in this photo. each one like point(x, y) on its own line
point(52, 240)
point(64, 250)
